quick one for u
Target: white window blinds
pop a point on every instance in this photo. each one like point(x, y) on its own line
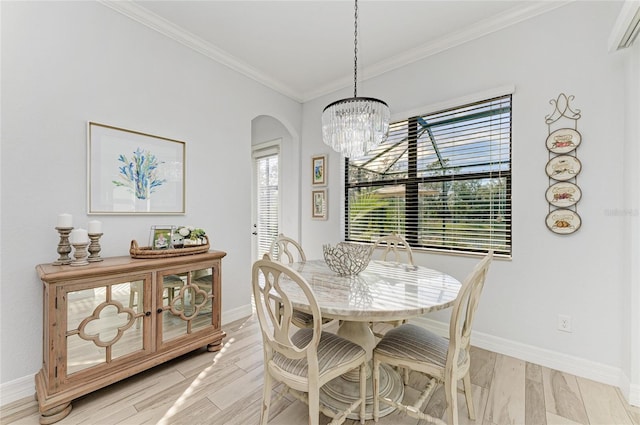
point(441, 180)
point(267, 202)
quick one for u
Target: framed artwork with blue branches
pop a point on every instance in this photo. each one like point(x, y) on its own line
point(130, 172)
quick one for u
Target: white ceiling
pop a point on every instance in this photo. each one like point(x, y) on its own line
point(304, 48)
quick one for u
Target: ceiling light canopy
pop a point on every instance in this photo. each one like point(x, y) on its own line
point(355, 125)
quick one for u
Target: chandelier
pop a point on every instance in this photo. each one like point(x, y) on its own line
point(355, 125)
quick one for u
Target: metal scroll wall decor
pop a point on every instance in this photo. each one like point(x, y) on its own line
point(563, 166)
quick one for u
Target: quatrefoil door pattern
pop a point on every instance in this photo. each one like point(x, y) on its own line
point(186, 303)
point(100, 325)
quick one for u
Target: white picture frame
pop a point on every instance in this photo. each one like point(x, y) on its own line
point(130, 172)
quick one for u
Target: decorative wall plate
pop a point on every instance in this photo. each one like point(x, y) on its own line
point(563, 221)
point(563, 167)
point(563, 140)
point(563, 194)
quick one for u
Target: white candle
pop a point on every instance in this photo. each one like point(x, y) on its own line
point(64, 220)
point(95, 226)
point(79, 236)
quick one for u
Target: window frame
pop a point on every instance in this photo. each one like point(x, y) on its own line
point(413, 181)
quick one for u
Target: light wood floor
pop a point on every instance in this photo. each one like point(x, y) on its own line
point(226, 388)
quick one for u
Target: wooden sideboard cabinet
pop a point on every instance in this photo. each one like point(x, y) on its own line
point(109, 320)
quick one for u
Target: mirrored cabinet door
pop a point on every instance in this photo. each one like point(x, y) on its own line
point(105, 324)
point(186, 303)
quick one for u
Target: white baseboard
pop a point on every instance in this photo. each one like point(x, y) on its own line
point(563, 362)
point(25, 386)
point(17, 389)
point(634, 395)
point(236, 313)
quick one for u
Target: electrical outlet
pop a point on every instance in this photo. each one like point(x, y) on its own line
point(564, 323)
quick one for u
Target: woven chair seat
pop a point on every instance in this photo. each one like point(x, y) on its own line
point(417, 344)
point(333, 351)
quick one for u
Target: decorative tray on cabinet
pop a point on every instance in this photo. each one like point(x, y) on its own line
point(146, 251)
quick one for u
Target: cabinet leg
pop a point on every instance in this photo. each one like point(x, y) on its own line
point(217, 346)
point(55, 414)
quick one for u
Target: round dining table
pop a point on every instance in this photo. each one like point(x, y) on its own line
point(383, 292)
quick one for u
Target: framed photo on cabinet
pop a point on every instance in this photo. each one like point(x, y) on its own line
point(161, 237)
point(319, 204)
point(319, 166)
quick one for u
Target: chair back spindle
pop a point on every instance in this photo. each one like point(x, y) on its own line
point(396, 245)
point(286, 250)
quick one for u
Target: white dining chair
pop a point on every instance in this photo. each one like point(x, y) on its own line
point(396, 247)
point(445, 360)
point(287, 251)
point(307, 359)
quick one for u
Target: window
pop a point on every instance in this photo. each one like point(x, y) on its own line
point(441, 180)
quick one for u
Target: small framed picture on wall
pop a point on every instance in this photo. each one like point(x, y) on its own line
point(319, 167)
point(319, 204)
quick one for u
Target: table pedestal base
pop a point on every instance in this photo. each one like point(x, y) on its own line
point(339, 393)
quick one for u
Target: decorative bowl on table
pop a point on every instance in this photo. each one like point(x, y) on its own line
point(347, 259)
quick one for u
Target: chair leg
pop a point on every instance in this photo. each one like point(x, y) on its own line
point(466, 381)
point(451, 395)
point(376, 389)
point(363, 392)
point(266, 398)
point(314, 405)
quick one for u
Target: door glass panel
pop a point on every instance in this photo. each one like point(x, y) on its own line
point(202, 280)
point(103, 324)
point(173, 293)
point(186, 303)
point(266, 203)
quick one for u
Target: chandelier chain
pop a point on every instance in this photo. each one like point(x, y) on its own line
point(355, 51)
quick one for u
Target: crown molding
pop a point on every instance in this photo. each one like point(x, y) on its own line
point(471, 33)
point(146, 17)
point(627, 26)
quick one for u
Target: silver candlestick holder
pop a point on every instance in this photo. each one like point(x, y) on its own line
point(64, 248)
point(80, 254)
point(94, 247)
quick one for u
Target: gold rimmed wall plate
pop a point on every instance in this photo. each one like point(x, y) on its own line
point(563, 167)
point(563, 221)
point(563, 194)
point(563, 140)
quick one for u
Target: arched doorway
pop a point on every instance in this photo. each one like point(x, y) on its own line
point(275, 195)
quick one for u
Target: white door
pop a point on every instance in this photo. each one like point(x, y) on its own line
point(266, 196)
